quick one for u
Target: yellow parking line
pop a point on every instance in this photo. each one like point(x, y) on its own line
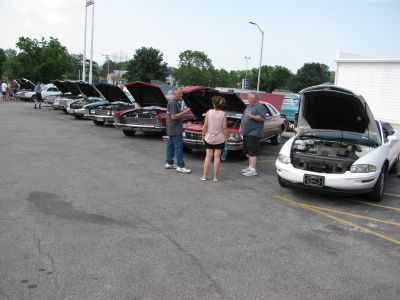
point(377, 205)
point(352, 215)
point(340, 220)
point(393, 195)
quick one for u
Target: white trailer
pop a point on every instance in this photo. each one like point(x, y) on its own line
point(377, 80)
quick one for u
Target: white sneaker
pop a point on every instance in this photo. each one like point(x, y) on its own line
point(168, 166)
point(183, 170)
point(246, 170)
point(251, 172)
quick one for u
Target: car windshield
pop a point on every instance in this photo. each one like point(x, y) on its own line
point(345, 136)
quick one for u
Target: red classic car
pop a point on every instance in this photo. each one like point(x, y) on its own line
point(199, 100)
point(151, 115)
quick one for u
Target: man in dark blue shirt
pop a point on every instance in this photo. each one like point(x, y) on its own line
point(174, 132)
point(252, 130)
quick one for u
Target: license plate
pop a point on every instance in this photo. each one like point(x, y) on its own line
point(313, 180)
point(100, 119)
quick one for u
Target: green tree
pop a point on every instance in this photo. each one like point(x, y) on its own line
point(147, 64)
point(195, 68)
point(278, 78)
point(310, 74)
point(40, 60)
point(3, 60)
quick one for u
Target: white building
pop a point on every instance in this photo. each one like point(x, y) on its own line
point(377, 80)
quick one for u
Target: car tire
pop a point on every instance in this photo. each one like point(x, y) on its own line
point(187, 150)
point(276, 140)
point(129, 132)
point(98, 123)
point(281, 183)
point(78, 117)
point(393, 169)
point(377, 192)
point(34, 98)
point(65, 111)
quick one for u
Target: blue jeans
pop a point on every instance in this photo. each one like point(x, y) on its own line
point(175, 146)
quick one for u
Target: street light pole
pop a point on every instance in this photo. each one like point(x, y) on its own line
point(84, 47)
point(262, 42)
point(247, 58)
point(91, 45)
point(108, 63)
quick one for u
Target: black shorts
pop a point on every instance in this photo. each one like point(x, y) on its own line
point(39, 97)
point(4, 93)
point(214, 146)
point(251, 145)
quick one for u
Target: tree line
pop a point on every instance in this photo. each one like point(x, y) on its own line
point(44, 60)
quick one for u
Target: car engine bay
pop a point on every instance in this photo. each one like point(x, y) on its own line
point(325, 156)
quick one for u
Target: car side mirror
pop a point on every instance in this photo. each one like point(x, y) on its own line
point(296, 118)
point(283, 116)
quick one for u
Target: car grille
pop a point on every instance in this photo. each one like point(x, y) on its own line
point(62, 103)
point(102, 112)
point(193, 135)
point(76, 105)
point(142, 121)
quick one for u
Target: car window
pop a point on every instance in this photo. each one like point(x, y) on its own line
point(52, 89)
point(287, 102)
point(273, 110)
point(268, 112)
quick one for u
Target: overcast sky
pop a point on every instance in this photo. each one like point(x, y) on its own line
point(296, 31)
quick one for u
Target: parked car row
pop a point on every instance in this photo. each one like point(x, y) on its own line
point(338, 146)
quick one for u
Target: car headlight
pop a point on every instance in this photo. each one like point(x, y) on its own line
point(91, 111)
point(284, 159)
point(362, 168)
point(234, 137)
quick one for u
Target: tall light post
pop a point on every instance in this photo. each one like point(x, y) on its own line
point(91, 44)
point(262, 42)
point(84, 45)
point(108, 63)
point(247, 58)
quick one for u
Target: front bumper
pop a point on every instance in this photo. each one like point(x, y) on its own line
point(76, 112)
point(139, 128)
point(348, 183)
point(100, 118)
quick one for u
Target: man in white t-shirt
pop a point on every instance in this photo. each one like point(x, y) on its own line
point(4, 91)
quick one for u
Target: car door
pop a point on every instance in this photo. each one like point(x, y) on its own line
point(269, 123)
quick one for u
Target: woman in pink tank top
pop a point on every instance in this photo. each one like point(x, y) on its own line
point(214, 136)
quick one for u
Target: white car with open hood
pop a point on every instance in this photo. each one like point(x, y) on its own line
point(339, 147)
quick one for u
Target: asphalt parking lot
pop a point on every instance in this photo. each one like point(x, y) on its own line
point(87, 213)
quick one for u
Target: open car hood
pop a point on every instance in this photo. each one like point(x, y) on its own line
point(146, 94)
point(330, 109)
point(88, 90)
point(25, 84)
point(67, 87)
point(198, 98)
point(112, 93)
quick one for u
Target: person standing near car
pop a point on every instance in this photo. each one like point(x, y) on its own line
point(214, 136)
point(15, 87)
point(252, 130)
point(38, 93)
point(4, 91)
point(174, 132)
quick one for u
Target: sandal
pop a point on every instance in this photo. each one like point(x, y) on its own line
point(203, 178)
point(215, 179)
